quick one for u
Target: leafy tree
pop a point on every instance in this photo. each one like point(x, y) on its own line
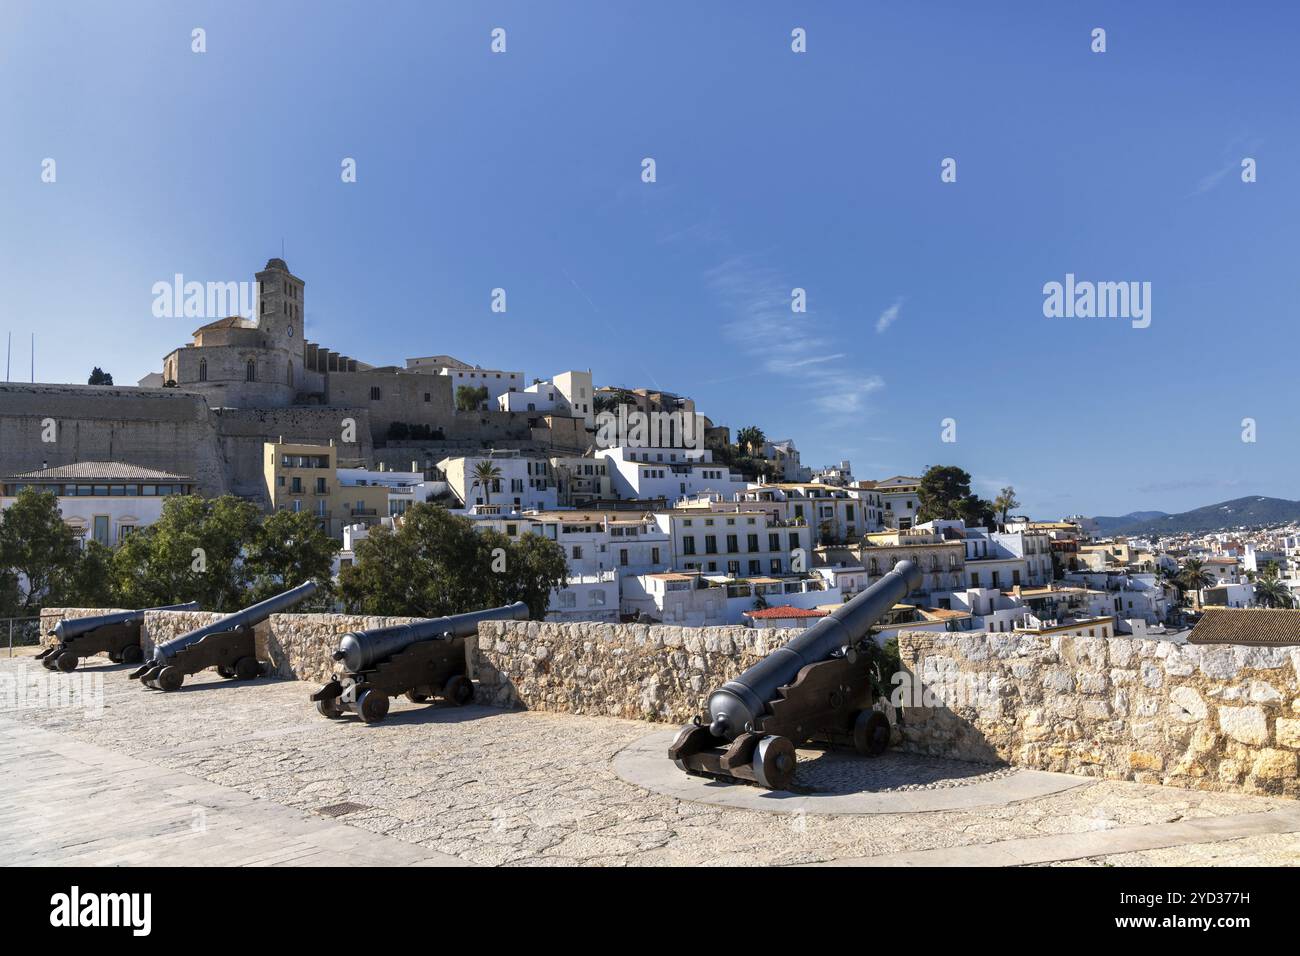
point(193, 552)
point(291, 549)
point(37, 546)
point(486, 475)
point(470, 398)
point(447, 566)
point(1193, 576)
point(89, 582)
point(99, 377)
point(1004, 502)
point(945, 494)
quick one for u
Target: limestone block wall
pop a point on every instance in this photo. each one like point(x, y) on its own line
point(1215, 717)
point(639, 671)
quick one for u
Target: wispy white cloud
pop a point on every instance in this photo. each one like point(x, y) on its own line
point(889, 316)
point(1236, 150)
point(785, 342)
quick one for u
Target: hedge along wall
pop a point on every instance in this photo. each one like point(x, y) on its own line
point(1215, 717)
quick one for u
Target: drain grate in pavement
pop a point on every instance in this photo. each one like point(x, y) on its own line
point(341, 809)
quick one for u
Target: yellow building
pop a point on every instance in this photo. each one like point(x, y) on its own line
point(305, 478)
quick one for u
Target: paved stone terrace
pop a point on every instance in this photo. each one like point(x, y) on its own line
point(228, 773)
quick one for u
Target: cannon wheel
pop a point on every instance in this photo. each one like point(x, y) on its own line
point(871, 733)
point(330, 707)
point(415, 697)
point(169, 678)
point(774, 762)
point(226, 671)
point(67, 662)
point(48, 661)
point(131, 654)
point(246, 668)
point(458, 690)
point(372, 705)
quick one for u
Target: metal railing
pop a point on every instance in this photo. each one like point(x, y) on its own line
point(20, 631)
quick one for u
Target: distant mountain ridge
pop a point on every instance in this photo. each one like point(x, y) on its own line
point(1107, 522)
point(1251, 510)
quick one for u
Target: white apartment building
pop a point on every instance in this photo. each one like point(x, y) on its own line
point(667, 473)
point(579, 395)
point(737, 543)
point(785, 457)
point(405, 488)
point(523, 484)
point(539, 397)
point(101, 501)
point(836, 515)
point(579, 480)
point(698, 600)
point(900, 499)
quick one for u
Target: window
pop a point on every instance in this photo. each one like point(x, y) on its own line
point(101, 529)
point(688, 544)
point(710, 544)
point(732, 544)
point(124, 532)
point(374, 393)
point(250, 371)
point(203, 370)
point(622, 556)
point(320, 486)
point(568, 599)
point(773, 542)
point(296, 487)
point(577, 552)
point(596, 598)
point(751, 542)
point(654, 555)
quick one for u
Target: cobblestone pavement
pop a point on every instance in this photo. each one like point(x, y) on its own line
point(526, 788)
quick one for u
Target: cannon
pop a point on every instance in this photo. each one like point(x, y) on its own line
point(226, 644)
point(815, 688)
point(420, 660)
point(117, 635)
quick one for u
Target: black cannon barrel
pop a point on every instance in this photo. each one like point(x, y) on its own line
point(360, 649)
point(74, 627)
point(253, 614)
point(739, 702)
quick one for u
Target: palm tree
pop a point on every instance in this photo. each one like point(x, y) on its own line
point(749, 438)
point(1168, 579)
point(485, 475)
point(1271, 592)
point(1193, 576)
point(1004, 502)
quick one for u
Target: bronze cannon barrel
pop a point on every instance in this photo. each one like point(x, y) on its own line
point(74, 627)
point(361, 649)
point(249, 616)
point(734, 706)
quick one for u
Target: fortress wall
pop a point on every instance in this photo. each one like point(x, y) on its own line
point(402, 398)
point(162, 428)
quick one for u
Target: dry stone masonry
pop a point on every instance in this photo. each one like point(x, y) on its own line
point(1213, 717)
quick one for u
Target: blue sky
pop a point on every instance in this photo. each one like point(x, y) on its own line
point(775, 170)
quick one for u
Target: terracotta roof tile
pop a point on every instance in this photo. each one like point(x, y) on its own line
point(1252, 625)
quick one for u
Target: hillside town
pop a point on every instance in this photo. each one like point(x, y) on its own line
point(661, 515)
